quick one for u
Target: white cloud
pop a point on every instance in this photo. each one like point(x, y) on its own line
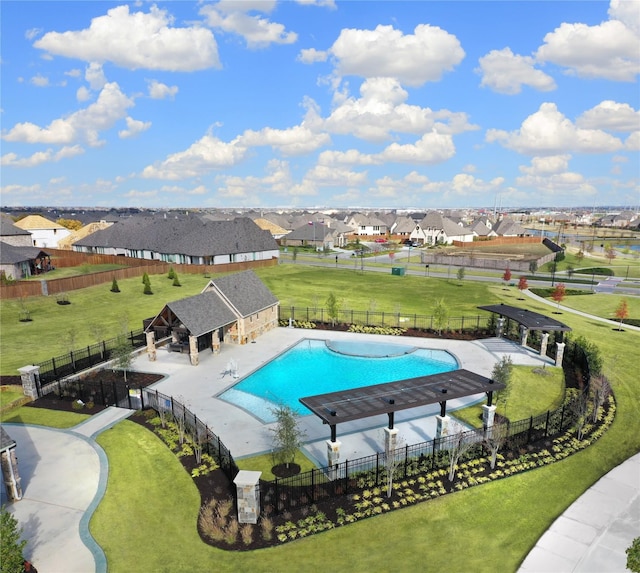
point(567, 184)
point(158, 90)
point(610, 115)
point(504, 72)
point(349, 157)
point(295, 140)
point(83, 94)
point(549, 132)
point(608, 50)
point(39, 81)
point(95, 76)
point(627, 12)
point(136, 40)
point(632, 142)
point(258, 32)
point(322, 3)
point(429, 149)
point(547, 165)
point(32, 33)
point(74, 73)
point(134, 127)
point(412, 59)
point(135, 194)
point(204, 155)
point(311, 55)
point(381, 109)
point(40, 157)
point(324, 176)
point(85, 124)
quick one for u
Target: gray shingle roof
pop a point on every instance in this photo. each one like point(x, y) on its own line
point(189, 236)
point(202, 312)
point(8, 228)
point(13, 255)
point(245, 292)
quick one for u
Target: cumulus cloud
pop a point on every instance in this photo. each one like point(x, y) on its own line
point(429, 149)
point(136, 40)
point(413, 59)
point(234, 17)
point(83, 94)
point(204, 155)
point(627, 12)
point(381, 110)
point(40, 157)
point(610, 115)
point(134, 127)
point(158, 90)
point(85, 124)
point(505, 72)
point(549, 132)
point(547, 165)
point(322, 3)
point(608, 50)
point(311, 55)
point(296, 140)
point(632, 142)
point(39, 81)
point(324, 176)
point(94, 75)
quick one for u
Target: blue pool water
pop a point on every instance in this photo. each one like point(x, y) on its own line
point(316, 367)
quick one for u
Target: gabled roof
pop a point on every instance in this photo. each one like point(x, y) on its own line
point(404, 225)
point(37, 222)
point(509, 227)
point(9, 228)
point(435, 220)
point(244, 292)
point(313, 232)
point(202, 312)
point(270, 226)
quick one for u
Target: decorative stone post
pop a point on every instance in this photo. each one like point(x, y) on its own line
point(390, 439)
point(248, 494)
point(559, 353)
point(488, 415)
point(151, 346)
point(543, 343)
point(215, 343)
point(193, 350)
point(500, 327)
point(442, 426)
point(333, 457)
point(524, 334)
point(28, 376)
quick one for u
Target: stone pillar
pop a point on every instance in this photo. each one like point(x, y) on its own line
point(248, 495)
point(559, 353)
point(524, 334)
point(193, 350)
point(10, 474)
point(29, 375)
point(333, 458)
point(442, 426)
point(500, 327)
point(390, 439)
point(543, 343)
point(151, 346)
point(215, 343)
point(488, 415)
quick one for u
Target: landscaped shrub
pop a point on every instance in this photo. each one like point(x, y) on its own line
point(598, 271)
point(171, 274)
point(147, 288)
point(114, 286)
point(176, 281)
point(145, 279)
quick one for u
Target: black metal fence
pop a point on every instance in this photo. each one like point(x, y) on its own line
point(286, 494)
point(195, 428)
point(96, 391)
point(82, 359)
point(479, 323)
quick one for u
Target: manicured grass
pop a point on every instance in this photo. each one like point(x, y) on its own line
point(531, 394)
point(43, 417)
point(264, 463)
point(603, 306)
point(9, 396)
point(64, 272)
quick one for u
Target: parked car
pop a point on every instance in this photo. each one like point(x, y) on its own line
point(410, 243)
point(381, 240)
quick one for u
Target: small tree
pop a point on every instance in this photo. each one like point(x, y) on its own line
point(502, 372)
point(122, 355)
point(580, 407)
point(495, 438)
point(522, 283)
point(601, 389)
point(533, 267)
point(440, 316)
point(461, 272)
point(147, 288)
point(579, 256)
point(171, 274)
point(460, 445)
point(333, 308)
point(622, 312)
point(294, 254)
point(11, 558)
point(506, 277)
point(114, 285)
point(145, 279)
point(392, 460)
point(559, 293)
point(633, 556)
point(610, 253)
point(287, 436)
point(570, 270)
point(176, 280)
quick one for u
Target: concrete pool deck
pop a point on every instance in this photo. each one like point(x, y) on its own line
point(197, 387)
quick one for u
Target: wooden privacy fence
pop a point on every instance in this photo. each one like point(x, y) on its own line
point(56, 286)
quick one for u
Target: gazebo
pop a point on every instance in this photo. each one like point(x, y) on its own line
point(529, 320)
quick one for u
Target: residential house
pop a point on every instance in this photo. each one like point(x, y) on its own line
point(22, 262)
point(481, 230)
point(366, 225)
point(11, 234)
point(191, 240)
point(403, 227)
point(44, 233)
point(233, 309)
point(435, 229)
point(507, 227)
point(317, 235)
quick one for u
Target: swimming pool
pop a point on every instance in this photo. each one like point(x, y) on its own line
point(317, 366)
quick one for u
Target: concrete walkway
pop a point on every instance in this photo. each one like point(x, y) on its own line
point(64, 476)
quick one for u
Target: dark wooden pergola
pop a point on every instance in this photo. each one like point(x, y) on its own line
point(528, 319)
point(347, 405)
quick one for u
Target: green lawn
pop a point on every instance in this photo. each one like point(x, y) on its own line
point(9, 396)
point(64, 272)
point(264, 463)
point(532, 393)
point(43, 417)
point(603, 306)
point(148, 516)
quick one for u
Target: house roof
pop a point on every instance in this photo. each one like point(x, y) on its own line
point(245, 292)
point(509, 227)
point(6, 442)
point(9, 228)
point(190, 236)
point(202, 312)
point(435, 220)
point(270, 226)
point(313, 232)
point(10, 255)
point(37, 222)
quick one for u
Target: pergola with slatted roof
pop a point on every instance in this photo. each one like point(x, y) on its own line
point(347, 405)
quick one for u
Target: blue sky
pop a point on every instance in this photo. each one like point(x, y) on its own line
point(316, 103)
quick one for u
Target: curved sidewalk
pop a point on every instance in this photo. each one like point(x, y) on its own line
point(594, 532)
point(63, 477)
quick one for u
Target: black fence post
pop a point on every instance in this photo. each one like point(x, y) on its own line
point(377, 467)
point(55, 372)
point(561, 418)
point(530, 429)
point(406, 459)
point(346, 476)
point(313, 485)
point(546, 424)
